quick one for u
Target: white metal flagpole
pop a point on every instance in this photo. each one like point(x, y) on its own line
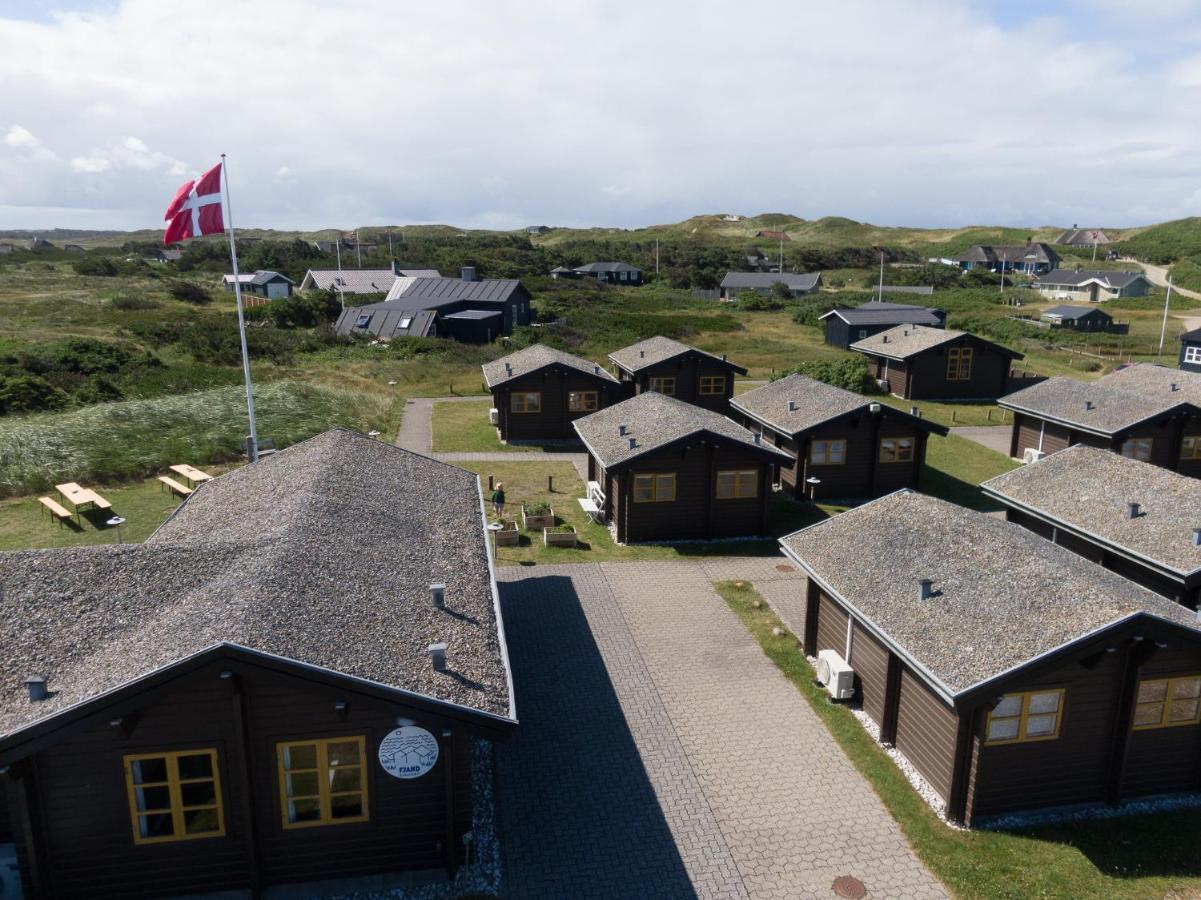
point(338, 248)
point(252, 448)
point(1164, 327)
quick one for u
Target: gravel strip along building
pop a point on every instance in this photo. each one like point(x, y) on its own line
point(1139, 520)
point(283, 684)
point(1011, 673)
point(673, 369)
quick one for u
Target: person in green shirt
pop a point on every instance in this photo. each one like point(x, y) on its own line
point(498, 499)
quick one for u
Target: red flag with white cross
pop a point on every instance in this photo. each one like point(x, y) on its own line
point(196, 208)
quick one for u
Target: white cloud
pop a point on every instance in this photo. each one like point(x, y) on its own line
point(20, 137)
point(620, 113)
point(27, 146)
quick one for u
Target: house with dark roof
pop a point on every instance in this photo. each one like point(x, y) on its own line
point(360, 281)
point(844, 325)
point(1146, 412)
point(676, 370)
point(770, 235)
point(798, 284)
point(1190, 351)
point(1033, 258)
point(284, 684)
point(1078, 318)
point(611, 272)
point(1010, 672)
point(840, 444)
point(262, 283)
point(564, 272)
point(1130, 517)
point(660, 469)
point(462, 309)
point(1082, 237)
point(918, 362)
point(538, 392)
point(1092, 286)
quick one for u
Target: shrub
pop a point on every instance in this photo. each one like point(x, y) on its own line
point(541, 508)
point(95, 265)
point(189, 292)
point(29, 393)
point(134, 303)
point(850, 374)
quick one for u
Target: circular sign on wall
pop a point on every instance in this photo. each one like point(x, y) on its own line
point(408, 752)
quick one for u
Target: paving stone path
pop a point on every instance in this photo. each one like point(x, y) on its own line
point(661, 754)
point(994, 437)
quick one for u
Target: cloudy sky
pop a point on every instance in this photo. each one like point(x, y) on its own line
point(501, 114)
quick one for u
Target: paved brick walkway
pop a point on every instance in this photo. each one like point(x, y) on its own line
point(661, 754)
point(994, 437)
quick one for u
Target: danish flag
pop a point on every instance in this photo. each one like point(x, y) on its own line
point(196, 209)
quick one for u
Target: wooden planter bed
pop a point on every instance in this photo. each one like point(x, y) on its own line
point(508, 536)
point(559, 538)
point(533, 522)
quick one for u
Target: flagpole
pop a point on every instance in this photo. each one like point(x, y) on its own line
point(252, 448)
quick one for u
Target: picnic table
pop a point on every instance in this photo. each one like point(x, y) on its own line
point(191, 473)
point(80, 497)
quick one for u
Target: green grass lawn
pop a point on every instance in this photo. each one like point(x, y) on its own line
point(1132, 857)
point(955, 467)
point(954, 414)
point(463, 427)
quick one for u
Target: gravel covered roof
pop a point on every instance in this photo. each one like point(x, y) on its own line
point(1003, 594)
point(322, 553)
point(534, 358)
point(877, 313)
point(1079, 277)
point(652, 421)
point(1073, 312)
point(1111, 404)
point(797, 281)
point(1089, 490)
point(659, 349)
point(905, 341)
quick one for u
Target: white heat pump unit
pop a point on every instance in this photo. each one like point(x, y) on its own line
point(494, 416)
point(1031, 455)
point(835, 675)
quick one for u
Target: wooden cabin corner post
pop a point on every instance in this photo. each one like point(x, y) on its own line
point(711, 490)
point(957, 796)
point(919, 457)
point(23, 799)
point(812, 602)
point(765, 481)
point(1013, 436)
point(240, 701)
point(873, 450)
point(1134, 655)
point(448, 774)
point(892, 700)
point(1177, 438)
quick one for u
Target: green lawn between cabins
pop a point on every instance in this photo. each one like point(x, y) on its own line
point(1130, 857)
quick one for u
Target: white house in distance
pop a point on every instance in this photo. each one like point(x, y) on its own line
point(1091, 285)
point(262, 283)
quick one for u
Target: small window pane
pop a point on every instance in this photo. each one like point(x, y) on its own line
point(303, 756)
point(1044, 703)
point(1148, 714)
point(1150, 691)
point(156, 825)
point(665, 488)
point(1009, 706)
point(1040, 725)
point(149, 771)
point(302, 784)
point(344, 754)
point(200, 821)
point(1002, 729)
point(346, 778)
point(304, 810)
point(198, 793)
point(153, 798)
point(346, 807)
point(1182, 710)
point(199, 766)
point(1183, 688)
point(643, 488)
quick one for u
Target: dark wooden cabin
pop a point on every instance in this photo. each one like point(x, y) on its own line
point(1137, 519)
point(538, 392)
point(247, 700)
point(922, 363)
point(845, 326)
point(1146, 412)
point(663, 470)
point(1190, 351)
point(1019, 676)
point(673, 369)
point(855, 447)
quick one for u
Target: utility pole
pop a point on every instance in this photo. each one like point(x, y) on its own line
point(656, 256)
point(338, 248)
point(1003, 261)
point(881, 296)
point(390, 246)
point(358, 248)
point(1164, 327)
point(781, 253)
point(1094, 248)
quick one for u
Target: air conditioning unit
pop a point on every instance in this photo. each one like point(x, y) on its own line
point(494, 416)
point(835, 675)
point(1031, 455)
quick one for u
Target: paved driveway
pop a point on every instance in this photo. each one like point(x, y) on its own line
point(994, 437)
point(661, 754)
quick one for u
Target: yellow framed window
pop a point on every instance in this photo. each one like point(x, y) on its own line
point(322, 782)
point(655, 487)
point(828, 453)
point(896, 450)
point(741, 484)
point(525, 402)
point(174, 796)
point(581, 401)
point(665, 386)
point(1138, 448)
point(1167, 702)
point(959, 363)
point(1190, 447)
point(712, 385)
point(1025, 717)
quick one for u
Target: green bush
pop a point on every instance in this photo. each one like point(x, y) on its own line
point(189, 292)
point(128, 303)
point(850, 374)
point(95, 265)
point(1164, 243)
point(29, 393)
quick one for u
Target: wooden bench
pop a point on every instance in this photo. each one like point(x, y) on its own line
point(174, 486)
point(60, 513)
point(99, 502)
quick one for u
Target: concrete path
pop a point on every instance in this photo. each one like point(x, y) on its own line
point(994, 437)
point(661, 754)
point(1159, 275)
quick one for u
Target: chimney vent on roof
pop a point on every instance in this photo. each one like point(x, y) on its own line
point(621, 430)
point(1197, 537)
point(438, 656)
point(925, 588)
point(641, 354)
point(723, 358)
point(792, 406)
point(438, 594)
point(758, 437)
point(633, 443)
point(467, 273)
point(1133, 510)
point(595, 369)
point(884, 339)
point(508, 368)
point(1175, 387)
point(1088, 404)
point(36, 685)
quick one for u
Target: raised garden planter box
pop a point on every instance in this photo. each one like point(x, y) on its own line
point(508, 536)
point(558, 538)
point(536, 522)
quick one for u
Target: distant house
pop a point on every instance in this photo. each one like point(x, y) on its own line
point(841, 444)
point(462, 309)
point(1146, 412)
point(676, 370)
point(1033, 258)
point(536, 230)
point(538, 392)
point(167, 254)
point(73, 248)
point(39, 244)
point(663, 470)
point(1082, 237)
point(611, 272)
point(773, 235)
point(1081, 497)
point(923, 363)
point(846, 325)
point(8, 248)
point(564, 272)
point(1190, 351)
point(1009, 672)
point(263, 283)
point(1079, 318)
point(761, 283)
point(1093, 286)
point(360, 281)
